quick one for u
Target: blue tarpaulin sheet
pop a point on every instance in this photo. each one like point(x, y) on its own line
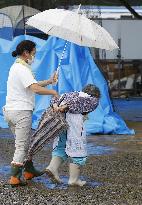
point(77, 69)
point(6, 33)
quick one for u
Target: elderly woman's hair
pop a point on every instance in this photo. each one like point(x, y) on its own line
point(92, 90)
point(25, 45)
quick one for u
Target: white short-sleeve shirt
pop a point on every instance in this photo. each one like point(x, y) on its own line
point(19, 96)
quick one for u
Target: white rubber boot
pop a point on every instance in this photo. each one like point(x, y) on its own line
point(74, 171)
point(52, 169)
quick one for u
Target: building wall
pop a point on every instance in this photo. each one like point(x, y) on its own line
point(130, 34)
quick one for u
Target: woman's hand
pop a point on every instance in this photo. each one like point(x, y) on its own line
point(54, 78)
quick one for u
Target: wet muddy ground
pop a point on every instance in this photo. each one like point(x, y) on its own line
point(113, 173)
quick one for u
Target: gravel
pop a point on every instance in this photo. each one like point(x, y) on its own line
point(113, 178)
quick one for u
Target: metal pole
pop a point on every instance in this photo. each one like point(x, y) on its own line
point(24, 26)
point(29, 3)
point(119, 64)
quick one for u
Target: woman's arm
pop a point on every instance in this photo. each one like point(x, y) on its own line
point(36, 88)
point(51, 80)
point(44, 83)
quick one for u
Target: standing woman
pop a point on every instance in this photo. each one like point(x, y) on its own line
point(21, 89)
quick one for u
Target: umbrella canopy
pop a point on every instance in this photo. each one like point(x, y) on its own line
point(50, 126)
point(73, 27)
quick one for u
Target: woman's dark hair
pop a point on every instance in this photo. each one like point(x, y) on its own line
point(25, 45)
point(92, 90)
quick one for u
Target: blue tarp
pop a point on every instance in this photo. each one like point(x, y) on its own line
point(9, 33)
point(6, 33)
point(130, 108)
point(77, 70)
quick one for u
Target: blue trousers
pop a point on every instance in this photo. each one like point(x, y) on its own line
point(60, 151)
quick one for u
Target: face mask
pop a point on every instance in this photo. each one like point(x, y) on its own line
point(30, 61)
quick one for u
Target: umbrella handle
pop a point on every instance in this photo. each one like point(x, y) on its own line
point(59, 65)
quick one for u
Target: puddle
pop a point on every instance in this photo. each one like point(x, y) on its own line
point(6, 136)
point(5, 170)
point(99, 150)
point(49, 185)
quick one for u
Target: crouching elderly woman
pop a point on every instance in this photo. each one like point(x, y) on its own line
point(21, 89)
point(73, 143)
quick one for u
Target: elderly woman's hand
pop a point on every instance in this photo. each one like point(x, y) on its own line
point(63, 108)
point(57, 108)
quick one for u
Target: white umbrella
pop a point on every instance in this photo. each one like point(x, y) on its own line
point(73, 27)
